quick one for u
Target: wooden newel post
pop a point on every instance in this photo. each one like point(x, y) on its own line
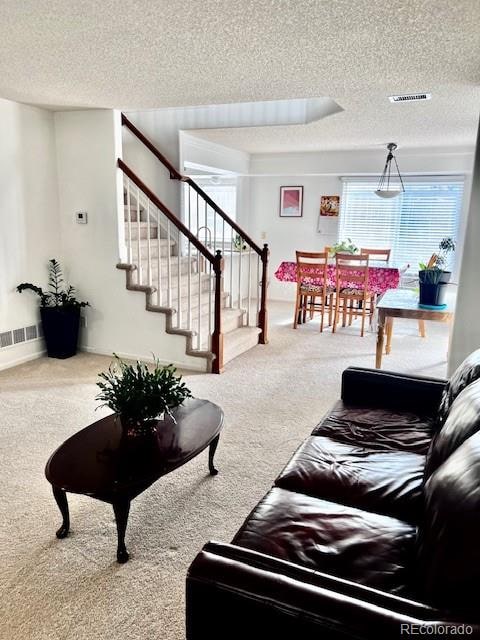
point(262, 314)
point(217, 335)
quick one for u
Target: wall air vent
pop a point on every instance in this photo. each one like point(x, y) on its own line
point(410, 97)
point(18, 335)
point(6, 339)
point(11, 338)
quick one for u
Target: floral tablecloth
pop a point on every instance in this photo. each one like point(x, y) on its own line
point(380, 278)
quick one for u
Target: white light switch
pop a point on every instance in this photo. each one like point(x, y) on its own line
point(81, 217)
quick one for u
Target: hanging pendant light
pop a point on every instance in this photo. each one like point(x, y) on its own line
point(385, 189)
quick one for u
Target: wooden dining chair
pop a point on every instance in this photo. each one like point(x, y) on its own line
point(377, 254)
point(352, 295)
point(313, 292)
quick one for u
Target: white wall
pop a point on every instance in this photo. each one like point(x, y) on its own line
point(209, 154)
point(30, 233)
point(88, 144)
point(320, 173)
point(466, 330)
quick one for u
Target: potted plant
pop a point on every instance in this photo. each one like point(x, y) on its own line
point(140, 396)
point(239, 243)
point(345, 246)
point(433, 278)
point(59, 312)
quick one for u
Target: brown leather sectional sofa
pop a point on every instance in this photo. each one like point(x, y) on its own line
point(372, 530)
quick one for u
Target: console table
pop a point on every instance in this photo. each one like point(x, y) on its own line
point(103, 462)
point(403, 303)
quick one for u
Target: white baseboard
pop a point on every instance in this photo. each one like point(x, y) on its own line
point(17, 361)
point(132, 356)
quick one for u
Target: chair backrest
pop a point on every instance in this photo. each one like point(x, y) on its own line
point(377, 254)
point(351, 271)
point(311, 267)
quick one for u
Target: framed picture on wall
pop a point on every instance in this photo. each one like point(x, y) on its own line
point(291, 202)
point(329, 206)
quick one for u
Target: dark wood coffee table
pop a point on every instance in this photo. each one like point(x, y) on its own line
point(103, 462)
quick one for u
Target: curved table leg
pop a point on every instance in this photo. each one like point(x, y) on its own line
point(121, 509)
point(62, 502)
point(211, 453)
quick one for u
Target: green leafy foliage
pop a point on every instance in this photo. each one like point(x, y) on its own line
point(239, 243)
point(345, 246)
point(440, 259)
point(139, 394)
point(57, 295)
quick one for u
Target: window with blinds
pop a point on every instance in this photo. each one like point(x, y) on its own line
point(411, 225)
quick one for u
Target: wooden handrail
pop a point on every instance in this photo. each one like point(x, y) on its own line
point(171, 216)
point(176, 175)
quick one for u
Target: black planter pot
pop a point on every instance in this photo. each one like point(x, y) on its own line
point(433, 295)
point(60, 328)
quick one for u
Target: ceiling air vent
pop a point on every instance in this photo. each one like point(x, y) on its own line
point(410, 97)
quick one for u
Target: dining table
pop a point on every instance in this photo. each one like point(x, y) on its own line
point(381, 275)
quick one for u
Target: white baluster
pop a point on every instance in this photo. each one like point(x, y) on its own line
point(189, 288)
point(249, 294)
point(159, 261)
point(258, 286)
point(149, 248)
point(129, 223)
point(139, 243)
point(179, 280)
point(169, 267)
point(210, 305)
point(240, 260)
point(199, 322)
point(231, 267)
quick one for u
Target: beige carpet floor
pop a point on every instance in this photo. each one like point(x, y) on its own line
point(73, 589)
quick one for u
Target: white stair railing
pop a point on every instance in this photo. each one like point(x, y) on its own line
point(179, 273)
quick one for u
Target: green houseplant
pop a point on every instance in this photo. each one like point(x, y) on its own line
point(141, 396)
point(345, 246)
point(59, 312)
point(433, 277)
point(239, 243)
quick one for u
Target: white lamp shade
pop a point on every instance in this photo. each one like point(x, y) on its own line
point(388, 193)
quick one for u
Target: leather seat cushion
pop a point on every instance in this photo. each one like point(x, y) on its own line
point(368, 548)
point(462, 422)
point(376, 428)
point(388, 482)
point(465, 374)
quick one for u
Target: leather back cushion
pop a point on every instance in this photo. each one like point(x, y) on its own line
point(449, 548)
point(465, 374)
point(463, 421)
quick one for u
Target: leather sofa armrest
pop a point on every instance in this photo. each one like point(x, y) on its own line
point(392, 390)
point(237, 592)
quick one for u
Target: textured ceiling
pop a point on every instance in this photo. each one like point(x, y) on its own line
point(136, 54)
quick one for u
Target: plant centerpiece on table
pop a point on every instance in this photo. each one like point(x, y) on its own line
point(59, 312)
point(433, 277)
point(141, 396)
point(345, 246)
point(239, 243)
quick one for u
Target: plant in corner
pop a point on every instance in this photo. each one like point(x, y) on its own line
point(140, 396)
point(59, 311)
point(432, 276)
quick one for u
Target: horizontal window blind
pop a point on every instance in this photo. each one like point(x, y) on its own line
point(411, 225)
